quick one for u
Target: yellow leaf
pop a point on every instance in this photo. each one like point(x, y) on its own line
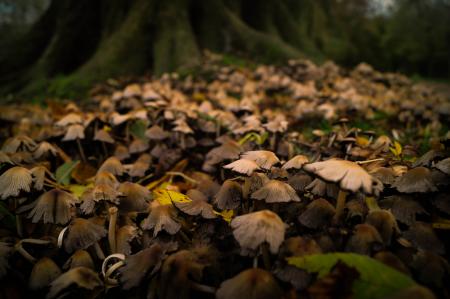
point(397, 149)
point(78, 190)
point(362, 141)
point(107, 128)
point(167, 197)
point(226, 215)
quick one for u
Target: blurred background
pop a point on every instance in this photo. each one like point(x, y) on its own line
point(61, 47)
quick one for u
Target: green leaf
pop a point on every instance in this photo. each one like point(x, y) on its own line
point(138, 128)
point(64, 172)
point(376, 279)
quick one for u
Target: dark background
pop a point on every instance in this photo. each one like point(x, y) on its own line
point(61, 47)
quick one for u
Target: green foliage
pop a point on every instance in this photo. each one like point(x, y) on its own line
point(376, 280)
point(64, 172)
point(137, 129)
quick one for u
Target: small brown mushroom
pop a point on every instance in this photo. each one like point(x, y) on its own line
point(81, 277)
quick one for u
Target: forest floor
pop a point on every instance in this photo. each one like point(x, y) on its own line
point(290, 181)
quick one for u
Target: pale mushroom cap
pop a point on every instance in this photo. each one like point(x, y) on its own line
point(44, 148)
point(444, 166)
point(135, 197)
point(53, 207)
point(69, 119)
point(38, 174)
point(15, 180)
point(276, 191)
point(296, 162)
point(81, 277)
point(349, 175)
point(102, 135)
point(251, 284)
point(243, 166)
point(13, 144)
point(264, 159)
point(252, 229)
point(74, 132)
point(124, 236)
point(113, 166)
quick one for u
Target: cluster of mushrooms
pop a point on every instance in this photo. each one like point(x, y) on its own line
point(202, 186)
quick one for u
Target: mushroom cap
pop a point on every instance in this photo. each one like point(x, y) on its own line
point(124, 235)
point(113, 166)
point(140, 166)
point(155, 132)
point(415, 180)
point(69, 119)
point(229, 195)
point(349, 175)
point(444, 166)
point(138, 265)
point(197, 206)
point(53, 206)
point(134, 197)
point(38, 174)
point(243, 166)
point(138, 146)
point(423, 237)
point(103, 136)
point(296, 162)
point(264, 159)
point(251, 284)
point(299, 182)
point(321, 188)
point(20, 142)
point(81, 277)
point(43, 273)
point(15, 180)
point(364, 240)
point(276, 191)
point(317, 214)
point(43, 149)
point(74, 132)
point(81, 234)
point(252, 229)
point(161, 217)
point(385, 223)
point(80, 258)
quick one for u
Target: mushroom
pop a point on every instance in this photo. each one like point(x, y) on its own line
point(80, 258)
point(349, 175)
point(318, 213)
point(134, 197)
point(444, 166)
point(140, 166)
point(423, 237)
point(415, 180)
point(254, 229)
point(44, 150)
point(113, 166)
point(161, 217)
point(53, 206)
point(252, 284)
point(138, 265)
point(43, 273)
point(124, 236)
point(229, 195)
point(156, 133)
point(197, 206)
point(365, 240)
point(15, 180)
point(296, 162)
point(276, 191)
point(385, 223)
point(81, 277)
point(264, 159)
point(81, 233)
point(76, 132)
point(243, 166)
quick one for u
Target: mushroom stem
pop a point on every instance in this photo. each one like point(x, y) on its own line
point(105, 150)
point(99, 251)
point(218, 125)
point(182, 141)
point(255, 262)
point(340, 205)
point(112, 228)
point(19, 226)
point(371, 203)
point(19, 248)
point(202, 288)
point(273, 141)
point(266, 255)
point(80, 149)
